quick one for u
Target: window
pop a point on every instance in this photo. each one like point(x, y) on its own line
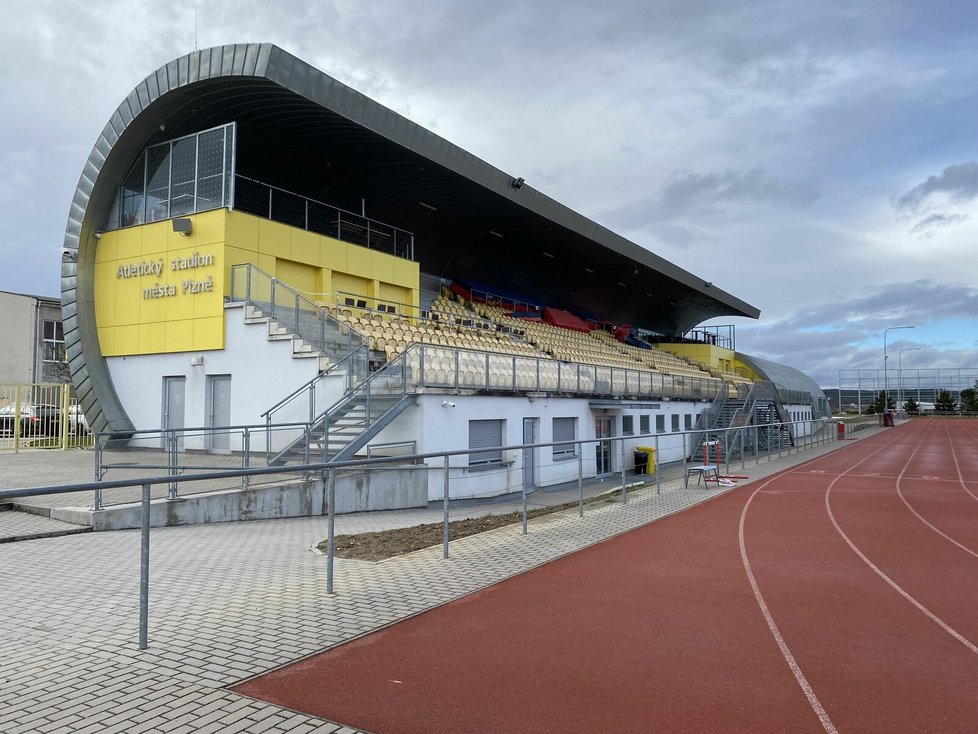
point(689, 421)
point(189, 174)
point(485, 435)
point(627, 425)
point(54, 342)
point(675, 422)
point(643, 424)
point(660, 424)
point(565, 429)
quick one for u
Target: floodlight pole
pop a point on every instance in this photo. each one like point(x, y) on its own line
point(900, 371)
point(886, 385)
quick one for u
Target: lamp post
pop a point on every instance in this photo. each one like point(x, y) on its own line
point(900, 371)
point(886, 385)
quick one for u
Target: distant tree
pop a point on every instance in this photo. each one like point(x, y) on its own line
point(945, 403)
point(911, 406)
point(969, 399)
point(877, 404)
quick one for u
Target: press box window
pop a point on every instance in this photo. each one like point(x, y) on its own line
point(643, 424)
point(675, 422)
point(627, 425)
point(689, 421)
point(660, 424)
point(485, 438)
point(565, 429)
point(54, 342)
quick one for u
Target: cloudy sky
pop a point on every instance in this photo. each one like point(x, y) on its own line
point(818, 160)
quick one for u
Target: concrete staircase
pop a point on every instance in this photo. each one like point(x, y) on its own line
point(301, 349)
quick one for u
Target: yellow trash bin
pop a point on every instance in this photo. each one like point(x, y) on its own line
point(649, 451)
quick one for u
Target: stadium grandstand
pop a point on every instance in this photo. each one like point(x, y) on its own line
point(254, 243)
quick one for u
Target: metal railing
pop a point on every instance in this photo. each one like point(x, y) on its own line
point(293, 311)
point(193, 449)
point(327, 473)
point(295, 210)
point(353, 368)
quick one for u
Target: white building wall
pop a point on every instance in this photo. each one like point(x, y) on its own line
point(18, 332)
point(262, 372)
point(436, 428)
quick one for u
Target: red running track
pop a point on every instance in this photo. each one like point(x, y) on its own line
point(839, 595)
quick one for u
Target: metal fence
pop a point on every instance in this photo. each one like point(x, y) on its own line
point(811, 433)
point(41, 415)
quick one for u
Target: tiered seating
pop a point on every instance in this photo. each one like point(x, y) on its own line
point(480, 346)
point(657, 359)
point(449, 326)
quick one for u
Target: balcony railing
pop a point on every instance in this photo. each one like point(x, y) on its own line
point(279, 205)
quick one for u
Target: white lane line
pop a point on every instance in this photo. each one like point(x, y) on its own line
point(893, 584)
point(920, 517)
point(772, 626)
point(803, 683)
point(957, 466)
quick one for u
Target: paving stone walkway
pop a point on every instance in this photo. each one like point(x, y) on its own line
point(232, 600)
point(28, 526)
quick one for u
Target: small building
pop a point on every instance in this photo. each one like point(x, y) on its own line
point(33, 340)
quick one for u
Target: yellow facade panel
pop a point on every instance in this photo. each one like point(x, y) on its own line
point(359, 262)
point(306, 247)
point(156, 310)
point(209, 333)
point(394, 294)
point(274, 239)
point(208, 228)
point(151, 338)
point(106, 341)
point(107, 248)
point(128, 243)
point(127, 339)
point(334, 254)
point(301, 277)
point(382, 266)
point(127, 302)
point(241, 230)
point(104, 283)
point(406, 273)
point(179, 335)
point(266, 263)
point(154, 237)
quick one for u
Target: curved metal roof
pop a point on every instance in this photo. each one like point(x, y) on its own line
point(782, 375)
point(300, 129)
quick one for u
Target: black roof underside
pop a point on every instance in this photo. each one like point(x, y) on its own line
point(354, 149)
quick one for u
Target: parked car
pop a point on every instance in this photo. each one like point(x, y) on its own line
point(77, 422)
point(30, 423)
point(36, 421)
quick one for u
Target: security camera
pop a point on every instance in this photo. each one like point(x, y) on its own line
point(98, 235)
point(447, 404)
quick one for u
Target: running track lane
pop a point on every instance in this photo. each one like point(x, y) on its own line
point(659, 629)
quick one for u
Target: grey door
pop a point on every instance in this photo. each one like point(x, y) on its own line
point(219, 412)
point(602, 449)
point(174, 410)
point(529, 460)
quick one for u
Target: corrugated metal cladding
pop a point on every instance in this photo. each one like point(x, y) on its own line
point(303, 130)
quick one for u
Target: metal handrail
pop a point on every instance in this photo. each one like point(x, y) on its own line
point(328, 469)
point(352, 218)
point(276, 283)
point(305, 386)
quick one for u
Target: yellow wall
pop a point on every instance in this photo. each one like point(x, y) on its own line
point(709, 354)
point(131, 321)
point(130, 262)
